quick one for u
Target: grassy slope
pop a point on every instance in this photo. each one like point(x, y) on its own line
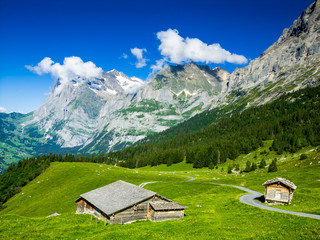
point(221, 215)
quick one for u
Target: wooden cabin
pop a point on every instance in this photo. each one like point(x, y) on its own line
point(279, 191)
point(122, 202)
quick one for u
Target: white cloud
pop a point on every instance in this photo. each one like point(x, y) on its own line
point(124, 56)
point(73, 68)
point(138, 53)
point(3, 110)
point(160, 64)
point(179, 50)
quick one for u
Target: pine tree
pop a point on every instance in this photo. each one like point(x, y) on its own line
point(273, 166)
point(237, 167)
point(262, 164)
point(248, 166)
point(253, 167)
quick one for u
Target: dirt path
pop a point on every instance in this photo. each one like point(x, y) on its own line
point(251, 199)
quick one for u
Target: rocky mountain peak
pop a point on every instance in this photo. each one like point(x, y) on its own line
point(221, 74)
point(302, 38)
point(308, 22)
point(190, 77)
point(297, 48)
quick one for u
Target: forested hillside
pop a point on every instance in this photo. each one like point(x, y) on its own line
point(292, 121)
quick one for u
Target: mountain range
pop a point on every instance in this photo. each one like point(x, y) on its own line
point(105, 114)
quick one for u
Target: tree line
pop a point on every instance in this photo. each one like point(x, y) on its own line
point(292, 121)
point(17, 176)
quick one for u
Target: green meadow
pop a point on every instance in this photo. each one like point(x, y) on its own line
point(214, 211)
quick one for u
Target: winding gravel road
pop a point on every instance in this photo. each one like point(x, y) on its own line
point(191, 179)
point(145, 183)
point(251, 199)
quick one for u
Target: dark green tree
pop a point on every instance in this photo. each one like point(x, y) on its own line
point(273, 166)
point(303, 156)
point(253, 167)
point(248, 166)
point(262, 164)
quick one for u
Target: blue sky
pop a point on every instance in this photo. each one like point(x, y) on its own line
point(103, 31)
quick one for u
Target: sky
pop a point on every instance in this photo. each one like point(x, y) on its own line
point(43, 40)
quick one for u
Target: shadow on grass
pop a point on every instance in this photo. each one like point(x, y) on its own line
point(261, 199)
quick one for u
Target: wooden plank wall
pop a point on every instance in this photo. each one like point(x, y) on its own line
point(158, 216)
point(277, 193)
point(86, 207)
point(134, 213)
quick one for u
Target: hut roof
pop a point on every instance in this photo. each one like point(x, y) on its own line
point(167, 206)
point(117, 196)
point(281, 180)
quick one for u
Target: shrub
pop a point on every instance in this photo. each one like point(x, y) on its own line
point(303, 156)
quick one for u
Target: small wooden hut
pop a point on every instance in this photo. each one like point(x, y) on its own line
point(122, 202)
point(279, 191)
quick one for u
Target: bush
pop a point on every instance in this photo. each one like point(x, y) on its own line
point(211, 166)
point(303, 156)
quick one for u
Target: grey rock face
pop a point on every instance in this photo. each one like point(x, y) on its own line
point(285, 62)
point(117, 110)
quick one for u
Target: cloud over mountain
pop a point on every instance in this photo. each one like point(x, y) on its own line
point(179, 50)
point(3, 110)
point(72, 68)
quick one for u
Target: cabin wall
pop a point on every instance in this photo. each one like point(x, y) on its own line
point(158, 216)
point(80, 207)
point(278, 193)
point(134, 213)
point(86, 207)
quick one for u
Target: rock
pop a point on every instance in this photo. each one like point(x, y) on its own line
point(53, 215)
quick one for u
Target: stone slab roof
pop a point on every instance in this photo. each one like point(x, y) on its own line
point(162, 205)
point(117, 196)
point(281, 180)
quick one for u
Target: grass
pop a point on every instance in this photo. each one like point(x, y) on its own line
point(223, 218)
point(221, 215)
point(214, 211)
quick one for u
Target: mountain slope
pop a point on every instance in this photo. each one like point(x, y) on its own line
point(172, 96)
point(114, 111)
point(292, 63)
point(289, 64)
point(109, 113)
point(291, 121)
